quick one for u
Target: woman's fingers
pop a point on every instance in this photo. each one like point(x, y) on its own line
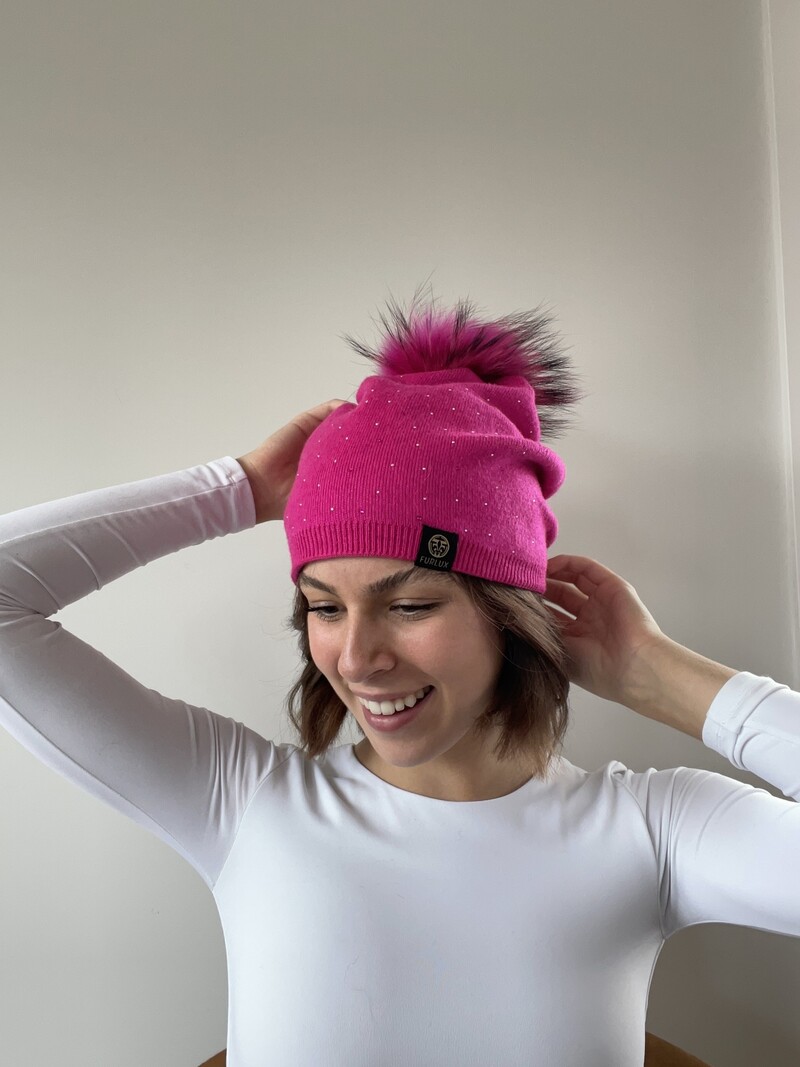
point(562, 621)
point(582, 571)
point(308, 421)
point(567, 568)
point(321, 411)
point(565, 596)
point(571, 580)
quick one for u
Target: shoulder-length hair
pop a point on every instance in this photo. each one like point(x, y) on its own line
point(530, 698)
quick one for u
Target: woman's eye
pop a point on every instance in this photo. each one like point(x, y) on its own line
point(414, 609)
point(328, 611)
point(321, 611)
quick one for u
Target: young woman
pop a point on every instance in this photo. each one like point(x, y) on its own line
point(449, 890)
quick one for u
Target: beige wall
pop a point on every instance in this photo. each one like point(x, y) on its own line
point(784, 42)
point(197, 199)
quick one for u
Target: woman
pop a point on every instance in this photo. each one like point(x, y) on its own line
point(450, 890)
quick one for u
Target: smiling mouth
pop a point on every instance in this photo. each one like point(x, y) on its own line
point(388, 708)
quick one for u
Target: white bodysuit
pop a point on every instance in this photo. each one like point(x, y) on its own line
point(367, 926)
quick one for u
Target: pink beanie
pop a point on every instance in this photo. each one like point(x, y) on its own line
point(439, 462)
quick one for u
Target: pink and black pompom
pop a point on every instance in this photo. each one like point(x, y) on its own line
point(519, 344)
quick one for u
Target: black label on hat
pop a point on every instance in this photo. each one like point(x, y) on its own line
point(437, 549)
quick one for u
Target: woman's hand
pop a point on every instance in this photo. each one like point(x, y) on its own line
point(607, 630)
point(272, 467)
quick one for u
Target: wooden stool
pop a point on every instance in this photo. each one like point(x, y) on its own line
point(216, 1061)
point(657, 1053)
point(660, 1053)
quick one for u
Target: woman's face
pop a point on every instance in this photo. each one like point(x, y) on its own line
point(395, 641)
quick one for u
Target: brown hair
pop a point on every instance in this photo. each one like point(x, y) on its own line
point(529, 702)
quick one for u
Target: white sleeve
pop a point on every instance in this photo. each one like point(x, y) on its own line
point(726, 851)
point(181, 771)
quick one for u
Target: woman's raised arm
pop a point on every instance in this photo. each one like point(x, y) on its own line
point(182, 772)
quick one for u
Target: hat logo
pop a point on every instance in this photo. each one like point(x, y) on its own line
point(437, 549)
point(438, 545)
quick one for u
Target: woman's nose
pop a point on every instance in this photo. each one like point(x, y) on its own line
point(364, 650)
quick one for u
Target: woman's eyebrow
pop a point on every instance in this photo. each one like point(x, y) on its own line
point(383, 585)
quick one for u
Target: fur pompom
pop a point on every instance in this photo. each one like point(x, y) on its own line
point(520, 344)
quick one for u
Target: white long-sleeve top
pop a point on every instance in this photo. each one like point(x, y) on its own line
point(366, 926)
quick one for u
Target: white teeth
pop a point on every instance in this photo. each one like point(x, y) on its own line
point(389, 707)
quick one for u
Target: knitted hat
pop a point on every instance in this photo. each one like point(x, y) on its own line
point(440, 462)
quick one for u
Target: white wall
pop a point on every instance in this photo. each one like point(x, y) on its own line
point(197, 199)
